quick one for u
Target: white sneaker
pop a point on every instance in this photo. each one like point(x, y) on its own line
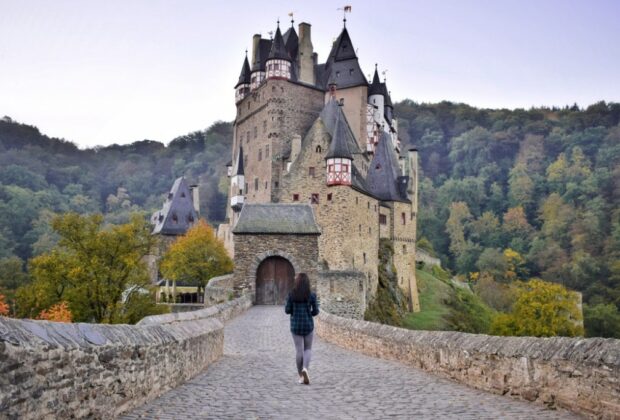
point(301, 380)
point(305, 376)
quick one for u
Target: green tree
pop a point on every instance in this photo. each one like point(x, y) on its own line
point(196, 257)
point(601, 320)
point(93, 268)
point(541, 309)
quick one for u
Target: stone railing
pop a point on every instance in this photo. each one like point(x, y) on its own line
point(582, 375)
point(57, 370)
point(219, 289)
point(223, 312)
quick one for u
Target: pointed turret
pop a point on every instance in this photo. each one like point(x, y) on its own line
point(242, 88)
point(291, 41)
point(260, 53)
point(237, 182)
point(339, 158)
point(279, 62)
point(384, 176)
point(375, 87)
point(178, 213)
point(342, 64)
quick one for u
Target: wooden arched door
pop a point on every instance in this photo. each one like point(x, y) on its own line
point(274, 280)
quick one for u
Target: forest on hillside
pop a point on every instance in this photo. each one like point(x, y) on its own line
point(505, 195)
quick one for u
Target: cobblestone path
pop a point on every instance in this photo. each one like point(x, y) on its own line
point(256, 379)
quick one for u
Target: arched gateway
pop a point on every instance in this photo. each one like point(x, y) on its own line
point(274, 280)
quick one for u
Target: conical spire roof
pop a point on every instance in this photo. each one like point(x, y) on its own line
point(343, 47)
point(384, 172)
point(331, 113)
point(178, 213)
point(244, 77)
point(291, 41)
point(375, 88)
point(238, 168)
point(278, 48)
point(338, 148)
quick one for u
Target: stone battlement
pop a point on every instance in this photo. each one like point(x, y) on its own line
point(579, 374)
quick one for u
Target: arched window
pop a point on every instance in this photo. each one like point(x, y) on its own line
point(318, 149)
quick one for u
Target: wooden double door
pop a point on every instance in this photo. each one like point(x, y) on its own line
point(274, 281)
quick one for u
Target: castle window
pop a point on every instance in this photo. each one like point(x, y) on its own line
point(256, 185)
point(255, 132)
point(266, 151)
point(246, 186)
point(337, 74)
point(264, 126)
point(329, 197)
point(260, 154)
point(412, 215)
point(311, 171)
point(273, 88)
point(175, 218)
point(378, 166)
point(404, 249)
point(265, 184)
point(375, 208)
point(276, 184)
point(183, 195)
point(318, 149)
point(190, 218)
point(247, 137)
point(369, 205)
point(359, 228)
point(350, 72)
point(314, 199)
point(382, 219)
point(245, 158)
point(357, 201)
point(295, 197)
point(369, 230)
point(364, 258)
point(403, 218)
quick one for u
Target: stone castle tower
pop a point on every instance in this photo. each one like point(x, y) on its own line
point(318, 135)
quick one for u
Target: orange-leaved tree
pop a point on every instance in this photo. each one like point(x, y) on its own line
point(4, 307)
point(58, 313)
point(196, 257)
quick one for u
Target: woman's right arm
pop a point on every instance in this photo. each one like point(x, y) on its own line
point(288, 309)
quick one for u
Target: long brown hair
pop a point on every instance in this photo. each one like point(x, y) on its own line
point(301, 290)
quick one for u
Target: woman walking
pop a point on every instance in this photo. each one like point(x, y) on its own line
point(301, 304)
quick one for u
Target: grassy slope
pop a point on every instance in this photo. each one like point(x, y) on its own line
point(446, 307)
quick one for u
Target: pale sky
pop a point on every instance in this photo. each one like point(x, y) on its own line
point(99, 72)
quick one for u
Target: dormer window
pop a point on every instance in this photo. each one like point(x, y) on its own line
point(170, 196)
point(175, 218)
point(190, 218)
point(182, 195)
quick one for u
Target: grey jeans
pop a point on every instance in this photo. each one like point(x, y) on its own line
point(303, 348)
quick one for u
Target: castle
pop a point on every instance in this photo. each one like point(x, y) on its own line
point(317, 175)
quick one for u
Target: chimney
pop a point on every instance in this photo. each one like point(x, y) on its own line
point(255, 47)
point(306, 53)
point(194, 190)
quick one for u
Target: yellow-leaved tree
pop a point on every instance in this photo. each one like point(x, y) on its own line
point(542, 309)
point(196, 257)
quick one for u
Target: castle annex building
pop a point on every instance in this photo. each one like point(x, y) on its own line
point(317, 175)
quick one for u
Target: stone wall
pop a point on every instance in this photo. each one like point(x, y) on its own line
point(250, 250)
point(423, 256)
point(342, 293)
point(219, 289)
point(578, 374)
point(57, 370)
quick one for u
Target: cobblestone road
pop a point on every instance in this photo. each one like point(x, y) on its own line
point(257, 379)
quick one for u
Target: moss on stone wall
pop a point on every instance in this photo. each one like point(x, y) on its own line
point(389, 305)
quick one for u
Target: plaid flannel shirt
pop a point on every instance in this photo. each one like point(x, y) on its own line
point(301, 314)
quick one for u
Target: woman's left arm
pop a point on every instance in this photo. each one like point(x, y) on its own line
point(288, 309)
point(314, 306)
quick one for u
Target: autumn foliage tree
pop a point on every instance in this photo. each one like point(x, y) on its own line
point(58, 313)
point(541, 309)
point(4, 307)
point(92, 268)
point(196, 257)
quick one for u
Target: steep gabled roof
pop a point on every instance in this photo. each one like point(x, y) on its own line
point(244, 77)
point(341, 137)
point(329, 115)
point(342, 65)
point(238, 168)
point(264, 47)
point(343, 47)
point(177, 214)
point(271, 218)
point(278, 48)
point(291, 41)
point(384, 177)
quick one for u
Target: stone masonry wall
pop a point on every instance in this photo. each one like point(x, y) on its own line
point(404, 241)
point(55, 370)
point(250, 250)
point(578, 374)
point(342, 293)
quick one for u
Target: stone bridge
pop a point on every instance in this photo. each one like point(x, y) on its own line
point(188, 365)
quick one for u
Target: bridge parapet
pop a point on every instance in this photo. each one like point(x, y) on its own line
point(582, 375)
point(58, 370)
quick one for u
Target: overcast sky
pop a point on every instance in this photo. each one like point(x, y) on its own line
point(117, 71)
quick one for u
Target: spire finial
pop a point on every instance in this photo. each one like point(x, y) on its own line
point(345, 10)
point(278, 23)
point(376, 65)
point(246, 53)
point(292, 18)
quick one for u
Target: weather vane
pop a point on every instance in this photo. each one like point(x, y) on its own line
point(292, 18)
point(345, 10)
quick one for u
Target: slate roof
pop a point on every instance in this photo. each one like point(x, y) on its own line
point(244, 77)
point(278, 48)
point(273, 218)
point(264, 47)
point(384, 177)
point(375, 86)
point(291, 41)
point(341, 138)
point(342, 64)
point(177, 214)
point(238, 168)
point(329, 115)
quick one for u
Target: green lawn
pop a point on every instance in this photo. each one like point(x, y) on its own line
point(434, 295)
